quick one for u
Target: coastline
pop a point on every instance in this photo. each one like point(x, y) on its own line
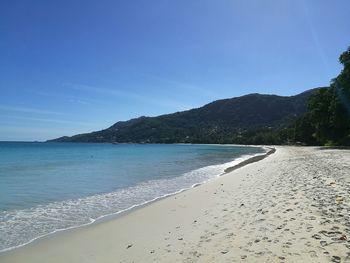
point(270, 211)
point(246, 159)
point(256, 158)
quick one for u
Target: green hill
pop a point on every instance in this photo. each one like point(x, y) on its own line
point(250, 119)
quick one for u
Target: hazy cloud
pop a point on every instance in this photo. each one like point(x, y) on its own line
point(163, 102)
point(314, 36)
point(181, 85)
point(28, 110)
point(58, 121)
point(68, 98)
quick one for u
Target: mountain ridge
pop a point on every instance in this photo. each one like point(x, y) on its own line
point(221, 121)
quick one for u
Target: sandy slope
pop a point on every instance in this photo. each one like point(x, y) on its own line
point(293, 206)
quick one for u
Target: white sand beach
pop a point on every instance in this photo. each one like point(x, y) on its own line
point(293, 206)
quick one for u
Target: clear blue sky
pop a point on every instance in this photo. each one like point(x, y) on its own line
point(68, 67)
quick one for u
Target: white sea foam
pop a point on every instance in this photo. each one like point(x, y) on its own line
point(20, 227)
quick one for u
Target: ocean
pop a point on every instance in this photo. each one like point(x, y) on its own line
point(48, 187)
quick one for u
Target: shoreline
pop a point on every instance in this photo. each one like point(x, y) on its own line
point(115, 215)
point(253, 159)
point(291, 207)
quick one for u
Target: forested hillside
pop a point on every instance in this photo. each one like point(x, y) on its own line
point(327, 121)
point(315, 117)
point(250, 119)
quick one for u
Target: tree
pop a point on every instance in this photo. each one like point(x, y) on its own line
point(328, 118)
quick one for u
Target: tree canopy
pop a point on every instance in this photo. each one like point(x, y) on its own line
point(327, 121)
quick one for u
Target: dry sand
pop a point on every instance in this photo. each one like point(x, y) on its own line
point(293, 206)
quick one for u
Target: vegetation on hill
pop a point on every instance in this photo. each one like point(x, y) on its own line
point(315, 117)
point(250, 119)
point(327, 121)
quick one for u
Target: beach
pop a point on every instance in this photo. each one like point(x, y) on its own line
point(293, 206)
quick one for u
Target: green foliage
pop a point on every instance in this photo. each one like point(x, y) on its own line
point(320, 111)
point(328, 120)
point(250, 119)
point(304, 130)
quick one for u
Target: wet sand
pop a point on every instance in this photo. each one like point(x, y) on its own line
point(293, 206)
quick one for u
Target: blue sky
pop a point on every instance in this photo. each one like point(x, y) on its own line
point(69, 67)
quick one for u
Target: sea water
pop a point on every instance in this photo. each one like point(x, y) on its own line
point(48, 187)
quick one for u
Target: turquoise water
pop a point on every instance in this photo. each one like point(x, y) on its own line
point(46, 187)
